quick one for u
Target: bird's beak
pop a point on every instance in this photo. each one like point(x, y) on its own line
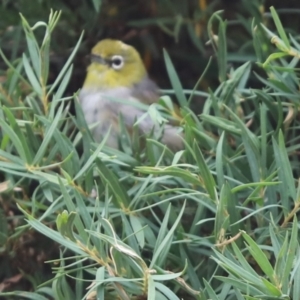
point(98, 59)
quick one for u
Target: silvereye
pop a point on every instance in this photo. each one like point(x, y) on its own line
point(117, 72)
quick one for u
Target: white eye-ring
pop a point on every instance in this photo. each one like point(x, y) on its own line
point(117, 62)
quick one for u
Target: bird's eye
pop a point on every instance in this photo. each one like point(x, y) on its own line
point(117, 62)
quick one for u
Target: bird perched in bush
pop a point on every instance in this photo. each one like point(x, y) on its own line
point(116, 80)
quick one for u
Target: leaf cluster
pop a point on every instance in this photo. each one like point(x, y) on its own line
point(217, 220)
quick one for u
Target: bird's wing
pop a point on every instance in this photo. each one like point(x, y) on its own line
point(171, 136)
point(146, 91)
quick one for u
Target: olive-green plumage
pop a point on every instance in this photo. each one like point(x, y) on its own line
point(116, 79)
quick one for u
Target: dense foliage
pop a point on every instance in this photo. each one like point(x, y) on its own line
point(217, 220)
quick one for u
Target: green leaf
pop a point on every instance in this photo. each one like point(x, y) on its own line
point(172, 171)
point(97, 5)
point(52, 234)
point(138, 230)
point(290, 257)
point(33, 47)
point(7, 129)
point(175, 80)
point(17, 130)
point(222, 215)
point(151, 288)
point(285, 174)
point(220, 162)
point(164, 239)
point(279, 27)
point(222, 51)
point(64, 223)
point(48, 135)
point(205, 173)
point(211, 293)
point(273, 290)
point(31, 76)
point(260, 257)
point(274, 56)
point(166, 291)
point(120, 198)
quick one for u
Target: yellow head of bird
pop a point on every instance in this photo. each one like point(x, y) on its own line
point(114, 64)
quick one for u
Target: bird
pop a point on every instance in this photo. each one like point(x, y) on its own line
point(116, 82)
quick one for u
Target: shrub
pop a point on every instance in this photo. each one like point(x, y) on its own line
point(215, 221)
